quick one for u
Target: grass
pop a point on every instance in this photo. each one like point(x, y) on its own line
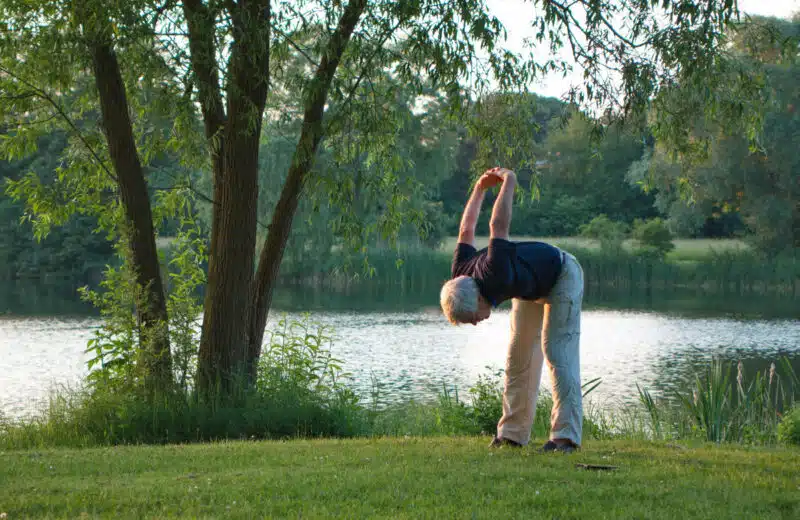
point(685, 248)
point(728, 271)
point(453, 477)
point(745, 409)
point(414, 460)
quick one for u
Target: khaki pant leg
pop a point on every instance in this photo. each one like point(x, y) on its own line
point(523, 371)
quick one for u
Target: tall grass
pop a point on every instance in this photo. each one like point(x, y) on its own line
point(300, 391)
point(415, 273)
point(719, 408)
point(716, 408)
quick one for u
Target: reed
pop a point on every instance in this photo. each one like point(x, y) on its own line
point(720, 408)
point(723, 275)
point(716, 408)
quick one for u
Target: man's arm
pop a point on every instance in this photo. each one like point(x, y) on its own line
point(466, 232)
point(500, 224)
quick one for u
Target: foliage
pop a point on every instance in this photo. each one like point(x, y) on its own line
point(70, 255)
point(115, 344)
point(789, 427)
point(710, 402)
point(298, 356)
point(186, 276)
point(653, 412)
point(586, 159)
point(721, 409)
point(653, 238)
point(572, 166)
point(728, 181)
point(107, 417)
point(487, 401)
point(116, 364)
point(609, 233)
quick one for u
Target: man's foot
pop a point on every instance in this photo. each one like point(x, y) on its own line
point(498, 442)
point(551, 446)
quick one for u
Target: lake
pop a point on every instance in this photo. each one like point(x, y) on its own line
point(412, 351)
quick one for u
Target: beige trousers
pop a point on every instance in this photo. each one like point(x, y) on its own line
point(549, 329)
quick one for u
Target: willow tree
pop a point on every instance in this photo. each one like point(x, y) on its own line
point(234, 63)
point(730, 177)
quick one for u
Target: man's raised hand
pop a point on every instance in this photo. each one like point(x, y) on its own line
point(493, 177)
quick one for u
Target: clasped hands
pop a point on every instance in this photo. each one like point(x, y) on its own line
point(493, 177)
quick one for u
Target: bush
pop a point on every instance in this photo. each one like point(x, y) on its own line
point(789, 427)
point(449, 415)
point(609, 233)
point(487, 401)
point(653, 238)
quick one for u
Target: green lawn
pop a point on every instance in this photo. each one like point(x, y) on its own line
point(400, 478)
point(685, 248)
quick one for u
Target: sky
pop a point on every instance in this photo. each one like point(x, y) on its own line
point(516, 15)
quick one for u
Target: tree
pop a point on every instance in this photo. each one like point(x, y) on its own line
point(653, 238)
point(231, 57)
point(585, 174)
point(73, 254)
point(609, 233)
point(727, 179)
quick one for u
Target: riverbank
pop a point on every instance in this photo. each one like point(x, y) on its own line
point(712, 277)
point(411, 477)
point(706, 269)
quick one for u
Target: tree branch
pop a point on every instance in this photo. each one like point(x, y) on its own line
point(316, 95)
point(379, 47)
point(296, 46)
point(42, 94)
point(623, 39)
point(202, 48)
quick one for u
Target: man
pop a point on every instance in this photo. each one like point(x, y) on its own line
point(545, 285)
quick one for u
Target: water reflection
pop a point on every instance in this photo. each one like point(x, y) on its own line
point(48, 299)
point(29, 298)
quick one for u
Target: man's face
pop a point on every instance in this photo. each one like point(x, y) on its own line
point(484, 311)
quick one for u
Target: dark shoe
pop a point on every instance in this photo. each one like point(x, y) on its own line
point(498, 442)
point(551, 446)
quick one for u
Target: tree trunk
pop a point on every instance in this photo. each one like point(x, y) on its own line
point(230, 267)
point(201, 25)
point(133, 193)
point(223, 343)
point(302, 161)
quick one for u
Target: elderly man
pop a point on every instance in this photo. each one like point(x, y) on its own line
point(545, 285)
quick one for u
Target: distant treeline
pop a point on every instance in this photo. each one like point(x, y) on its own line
point(569, 178)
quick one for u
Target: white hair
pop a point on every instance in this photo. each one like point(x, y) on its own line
point(459, 299)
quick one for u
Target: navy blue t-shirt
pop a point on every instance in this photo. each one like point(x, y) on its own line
point(505, 269)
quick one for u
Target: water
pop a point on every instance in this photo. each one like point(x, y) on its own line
point(411, 353)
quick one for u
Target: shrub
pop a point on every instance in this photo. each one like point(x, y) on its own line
point(653, 238)
point(789, 427)
point(610, 234)
point(487, 401)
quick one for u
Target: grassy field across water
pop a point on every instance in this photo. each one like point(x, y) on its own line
point(445, 477)
point(685, 248)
